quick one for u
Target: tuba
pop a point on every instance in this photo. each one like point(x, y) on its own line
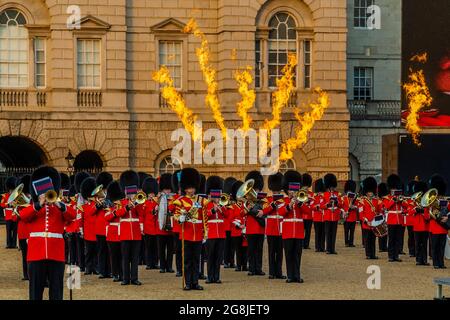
point(430, 200)
point(17, 198)
point(249, 198)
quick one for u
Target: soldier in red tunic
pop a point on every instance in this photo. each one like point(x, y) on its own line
point(370, 208)
point(229, 252)
point(408, 220)
point(237, 229)
point(382, 193)
point(176, 228)
point(332, 211)
point(421, 218)
point(11, 225)
point(349, 212)
point(46, 222)
point(318, 216)
point(150, 219)
point(89, 212)
point(165, 235)
point(307, 209)
point(78, 223)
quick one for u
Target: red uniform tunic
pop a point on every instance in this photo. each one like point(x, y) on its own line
point(351, 214)
point(23, 231)
point(100, 222)
point(237, 218)
point(192, 229)
point(306, 209)
point(407, 217)
point(252, 225)
point(317, 212)
point(331, 213)
point(73, 226)
point(394, 211)
point(113, 223)
point(217, 219)
point(46, 227)
point(273, 218)
point(88, 221)
point(130, 226)
point(6, 211)
point(369, 209)
point(292, 226)
point(149, 217)
point(421, 220)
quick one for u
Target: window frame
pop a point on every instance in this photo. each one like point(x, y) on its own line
point(101, 62)
point(181, 66)
point(364, 9)
point(355, 87)
point(35, 62)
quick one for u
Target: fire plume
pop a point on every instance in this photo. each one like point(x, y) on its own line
point(305, 124)
point(418, 97)
point(209, 74)
point(280, 98)
point(422, 58)
point(175, 100)
point(244, 79)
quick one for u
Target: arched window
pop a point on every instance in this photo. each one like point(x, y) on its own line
point(88, 160)
point(13, 49)
point(287, 165)
point(168, 165)
point(282, 42)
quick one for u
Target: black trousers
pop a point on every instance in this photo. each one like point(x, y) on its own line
point(11, 234)
point(319, 231)
point(421, 246)
point(349, 233)
point(104, 266)
point(370, 243)
point(130, 250)
point(402, 239)
point(331, 231)
point(151, 250)
point(438, 249)
point(23, 245)
point(203, 259)
point(275, 246)
point(383, 244)
point(192, 252)
point(394, 240)
point(142, 260)
point(215, 254)
point(255, 252)
point(90, 255)
point(177, 246)
point(228, 250)
point(81, 261)
point(308, 226)
point(115, 256)
point(411, 242)
point(42, 271)
point(165, 252)
point(241, 252)
point(293, 252)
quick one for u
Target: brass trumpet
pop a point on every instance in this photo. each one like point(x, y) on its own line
point(302, 195)
point(140, 198)
point(51, 197)
point(224, 200)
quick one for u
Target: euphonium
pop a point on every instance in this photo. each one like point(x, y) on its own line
point(224, 200)
point(17, 198)
point(430, 200)
point(247, 194)
point(140, 198)
point(302, 195)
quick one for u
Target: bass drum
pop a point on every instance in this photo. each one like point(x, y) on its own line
point(379, 226)
point(162, 212)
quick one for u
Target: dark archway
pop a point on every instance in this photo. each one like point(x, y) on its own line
point(88, 160)
point(20, 152)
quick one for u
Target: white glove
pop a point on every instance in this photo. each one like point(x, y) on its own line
point(81, 233)
point(203, 241)
point(142, 228)
point(182, 219)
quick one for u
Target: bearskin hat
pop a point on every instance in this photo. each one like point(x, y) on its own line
point(43, 172)
point(72, 191)
point(275, 182)
point(319, 186)
point(129, 178)
point(150, 185)
point(213, 183)
point(190, 178)
point(394, 182)
point(202, 187)
point(104, 178)
point(382, 190)
point(65, 181)
point(259, 180)
point(142, 177)
point(420, 186)
point(369, 185)
point(72, 180)
point(410, 187)
point(330, 181)
point(234, 188)
point(87, 186)
point(11, 183)
point(114, 191)
point(165, 182)
point(306, 180)
point(79, 178)
point(291, 176)
point(350, 186)
point(176, 181)
point(438, 182)
point(228, 184)
point(26, 181)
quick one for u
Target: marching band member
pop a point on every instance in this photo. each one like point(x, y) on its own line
point(319, 231)
point(142, 176)
point(254, 230)
point(188, 214)
point(165, 236)
point(237, 228)
point(72, 229)
point(292, 226)
point(130, 229)
point(382, 193)
point(421, 217)
point(438, 232)
point(11, 225)
point(331, 205)
point(229, 247)
point(307, 209)
point(409, 219)
point(216, 216)
point(78, 224)
point(176, 228)
point(350, 212)
point(370, 208)
point(203, 257)
point(64, 196)
point(46, 219)
point(89, 209)
point(115, 195)
point(150, 218)
point(394, 206)
point(273, 224)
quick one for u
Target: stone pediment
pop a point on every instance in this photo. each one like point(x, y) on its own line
point(91, 23)
point(170, 25)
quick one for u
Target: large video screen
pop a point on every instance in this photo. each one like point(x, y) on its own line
point(426, 29)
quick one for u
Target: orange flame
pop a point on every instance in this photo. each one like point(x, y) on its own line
point(244, 79)
point(422, 58)
point(176, 101)
point(209, 74)
point(305, 124)
point(280, 98)
point(418, 97)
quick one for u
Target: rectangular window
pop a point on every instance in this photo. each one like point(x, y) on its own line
point(170, 55)
point(39, 62)
point(363, 83)
point(307, 63)
point(360, 13)
point(13, 57)
point(88, 63)
point(258, 62)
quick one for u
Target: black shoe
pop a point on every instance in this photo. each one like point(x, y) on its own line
point(162, 271)
point(419, 264)
point(116, 279)
point(187, 288)
point(300, 280)
point(250, 274)
point(232, 265)
point(125, 283)
point(209, 281)
point(281, 277)
point(197, 287)
point(260, 273)
point(412, 255)
point(218, 281)
point(136, 282)
point(426, 264)
point(202, 277)
point(306, 248)
point(289, 280)
point(179, 274)
point(170, 271)
point(373, 258)
point(391, 260)
point(271, 277)
point(436, 267)
point(443, 267)
point(351, 245)
point(103, 276)
point(402, 252)
point(226, 266)
point(398, 260)
point(148, 268)
point(237, 269)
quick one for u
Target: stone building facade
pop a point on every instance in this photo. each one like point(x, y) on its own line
point(89, 89)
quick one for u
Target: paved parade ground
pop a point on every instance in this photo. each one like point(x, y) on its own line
point(341, 276)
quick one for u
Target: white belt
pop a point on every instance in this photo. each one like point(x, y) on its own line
point(215, 221)
point(293, 220)
point(394, 212)
point(114, 224)
point(195, 221)
point(129, 220)
point(46, 235)
point(275, 217)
